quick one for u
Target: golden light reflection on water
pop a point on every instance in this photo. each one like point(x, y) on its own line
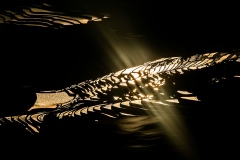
point(50, 100)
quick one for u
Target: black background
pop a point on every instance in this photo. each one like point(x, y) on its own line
point(47, 59)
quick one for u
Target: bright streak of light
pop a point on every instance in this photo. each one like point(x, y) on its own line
point(184, 92)
point(172, 123)
point(135, 75)
point(191, 98)
point(125, 50)
point(173, 100)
